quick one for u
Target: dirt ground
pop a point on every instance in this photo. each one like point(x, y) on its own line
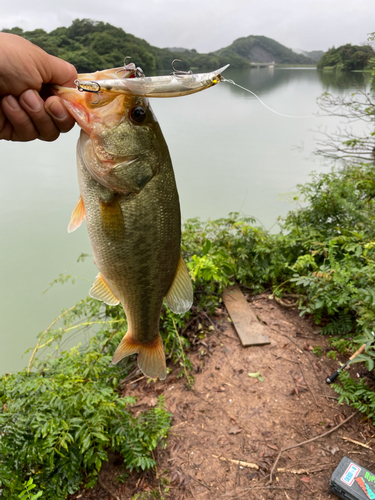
point(229, 417)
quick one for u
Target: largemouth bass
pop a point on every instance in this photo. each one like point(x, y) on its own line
point(129, 198)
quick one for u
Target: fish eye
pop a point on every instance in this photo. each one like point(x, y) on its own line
point(138, 114)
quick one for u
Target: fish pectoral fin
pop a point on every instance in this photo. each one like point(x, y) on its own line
point(180, 294)
point(77, 217)
point(101, 291)
point(151, 357)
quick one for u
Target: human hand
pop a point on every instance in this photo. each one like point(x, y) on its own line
point(24, 69)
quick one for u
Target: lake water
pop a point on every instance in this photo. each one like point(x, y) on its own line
point(229, 153)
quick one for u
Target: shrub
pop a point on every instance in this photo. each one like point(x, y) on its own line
point(58, 422)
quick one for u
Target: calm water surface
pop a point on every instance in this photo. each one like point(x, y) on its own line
point(229, 154)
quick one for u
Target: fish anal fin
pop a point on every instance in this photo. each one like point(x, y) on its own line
point(101, 291)
point(180, 294)
point(151, 357)
point(77, 217)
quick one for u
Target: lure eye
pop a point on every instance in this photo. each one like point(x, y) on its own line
point(138, 114)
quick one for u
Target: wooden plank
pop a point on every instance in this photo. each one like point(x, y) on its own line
point(249, 329)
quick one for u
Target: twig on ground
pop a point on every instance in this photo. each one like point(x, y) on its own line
point(298, 336)
point(136, 380)
point(286, 359)
point(284, 304)
point(113, 495)
point(301, 471)
point(119, 373)
point(299, 432)
point(236, 385)
point(238, 462)
point(312, 392)
point(195, 479)
point(306, 442)
point(187, 326)
point(192, 492)
point(357, 443)
point(210, 320)
point(304, 352)
point(307, 486)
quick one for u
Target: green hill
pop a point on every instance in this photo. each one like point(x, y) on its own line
point(347, 57)
point(92, 45)
point(263, 49)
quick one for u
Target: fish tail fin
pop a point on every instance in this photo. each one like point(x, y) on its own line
point(151, 357)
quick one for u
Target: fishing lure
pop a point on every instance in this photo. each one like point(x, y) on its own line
point(174, 85)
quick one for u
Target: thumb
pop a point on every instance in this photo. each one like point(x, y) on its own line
point(61, 72)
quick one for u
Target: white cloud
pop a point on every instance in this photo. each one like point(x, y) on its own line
point(206, 25)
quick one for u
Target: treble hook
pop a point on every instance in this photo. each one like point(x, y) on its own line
point(127, 67)
point(83, 89)
point(131, 67)
point(178, 72)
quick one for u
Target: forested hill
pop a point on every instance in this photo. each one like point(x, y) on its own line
point(92, 45)
point(263, 49)
point(347, 58)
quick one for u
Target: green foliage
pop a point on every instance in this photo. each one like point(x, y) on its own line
point(29, 486)
point(59, 421)
point(357, 394)
point(346, 57)
point(318, 351)
point(237, 250)
point(339, 326)
point(92, 45)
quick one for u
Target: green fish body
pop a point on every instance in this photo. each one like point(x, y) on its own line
point(130, 201)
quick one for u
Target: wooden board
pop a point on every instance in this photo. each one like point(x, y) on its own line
point(249, 328)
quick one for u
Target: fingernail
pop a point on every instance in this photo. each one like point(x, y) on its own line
point(57, 109)
point(13, 103)
point(32, 99)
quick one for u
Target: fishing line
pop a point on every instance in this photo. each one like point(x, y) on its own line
point(264, 104)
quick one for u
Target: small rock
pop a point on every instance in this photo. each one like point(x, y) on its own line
point(234, 430)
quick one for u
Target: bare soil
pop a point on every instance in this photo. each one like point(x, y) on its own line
point(229, 416)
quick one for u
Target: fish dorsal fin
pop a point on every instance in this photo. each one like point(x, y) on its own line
point(101, 291)
point(77, 217)
point(180, 295)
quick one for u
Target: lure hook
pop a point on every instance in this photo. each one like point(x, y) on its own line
point(131, 67)
point(179, 72)
point(80, 88)
point(127, 67)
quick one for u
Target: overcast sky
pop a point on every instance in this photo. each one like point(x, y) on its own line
point(208, 25)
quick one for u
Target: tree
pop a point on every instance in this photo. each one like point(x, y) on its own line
point(347, 57)
point(358, 106)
